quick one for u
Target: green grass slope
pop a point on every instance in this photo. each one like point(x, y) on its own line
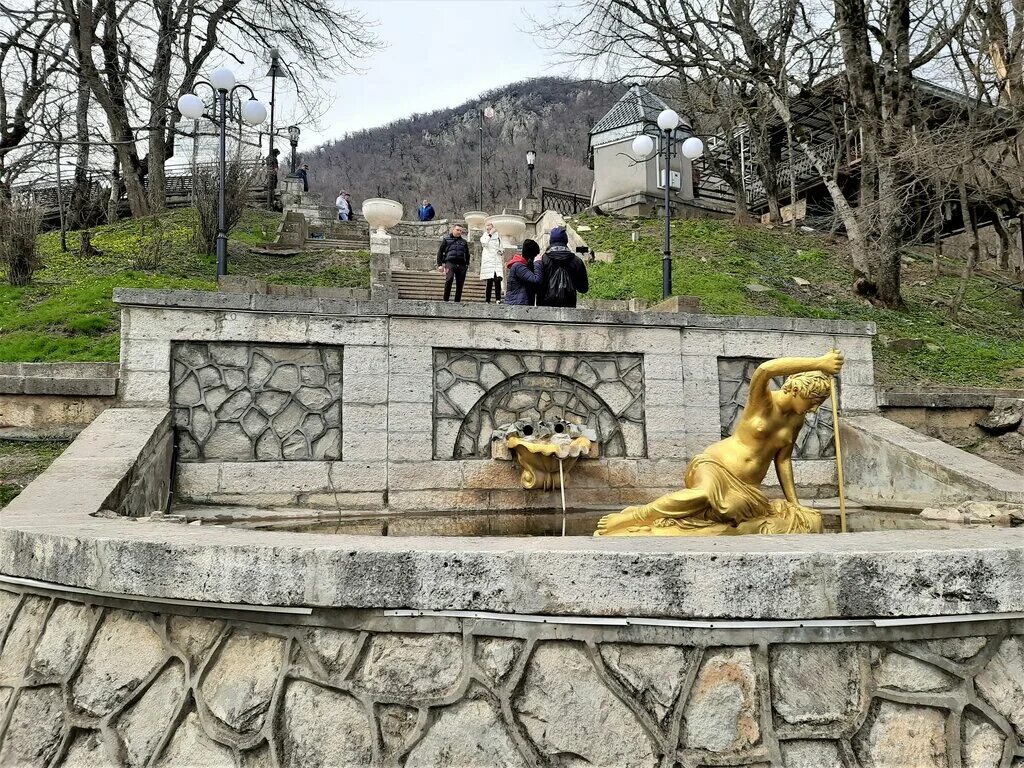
point(67, 313)
point(717, 260)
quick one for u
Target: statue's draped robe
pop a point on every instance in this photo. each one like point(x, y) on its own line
point(716, 502)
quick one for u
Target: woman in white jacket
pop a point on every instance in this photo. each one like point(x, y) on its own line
point(491, 268)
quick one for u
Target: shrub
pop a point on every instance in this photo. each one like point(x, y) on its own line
point(239, 179)
point(19, 225)
point(154, 244)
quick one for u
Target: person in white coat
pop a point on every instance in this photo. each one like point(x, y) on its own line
point(344, 206)
point(491, 268)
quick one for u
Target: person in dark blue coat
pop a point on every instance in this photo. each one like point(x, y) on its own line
point(522, 282)
point(426, 212)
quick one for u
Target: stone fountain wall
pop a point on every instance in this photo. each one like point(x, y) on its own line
point(104, 683)
point(337, 404)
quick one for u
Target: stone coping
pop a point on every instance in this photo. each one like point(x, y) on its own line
point(48, 534)
point(129, 297)
point(945, 397)
point(85, 379)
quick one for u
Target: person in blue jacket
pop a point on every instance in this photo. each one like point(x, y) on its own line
point(426, 212)
point(522, 280)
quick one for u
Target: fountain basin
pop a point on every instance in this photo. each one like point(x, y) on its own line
point(382, 213)
point(475, 219)
point(509, 226)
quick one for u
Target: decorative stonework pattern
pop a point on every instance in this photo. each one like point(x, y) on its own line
point(256, 402)
point(478, 390)
point(88, 685)
point(815, 440)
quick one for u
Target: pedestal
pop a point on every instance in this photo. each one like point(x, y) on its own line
point(380, 266)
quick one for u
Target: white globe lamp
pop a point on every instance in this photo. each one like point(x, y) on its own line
point(223, 79)
point(668, 120)
point(643, 146)
point(693, 148)
point(190, 106)
point(253, 112)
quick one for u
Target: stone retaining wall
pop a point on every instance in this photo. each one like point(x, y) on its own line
point(53, 400)
point(413, 434)
point(108, 683)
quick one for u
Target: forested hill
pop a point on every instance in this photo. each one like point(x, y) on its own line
point(436, 155)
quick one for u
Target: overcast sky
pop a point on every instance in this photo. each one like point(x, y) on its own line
point(439, 54)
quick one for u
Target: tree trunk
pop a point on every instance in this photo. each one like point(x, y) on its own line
point(1004, 238)
point(937, 235)
point(970, 225)
point(81, 193)
point(158, 101)
point(890, 238)
point(114, 203)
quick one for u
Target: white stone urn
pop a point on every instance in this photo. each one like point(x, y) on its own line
point(475, 219)
point(509, 226)
point(382, 213)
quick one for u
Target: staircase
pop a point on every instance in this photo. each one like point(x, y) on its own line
point(339, 236)
point(414, 245)
point(418, 285)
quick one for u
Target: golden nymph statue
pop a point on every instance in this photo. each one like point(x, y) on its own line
point(722, 494)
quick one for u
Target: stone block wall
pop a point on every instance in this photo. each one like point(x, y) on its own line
point(90, 683)
point(422, 383)
point(53, 400)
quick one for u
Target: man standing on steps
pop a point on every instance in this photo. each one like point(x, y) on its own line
point(453, 259)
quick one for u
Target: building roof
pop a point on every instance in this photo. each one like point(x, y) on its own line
point(636, 106)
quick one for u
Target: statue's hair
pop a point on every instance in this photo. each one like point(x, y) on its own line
point(813, 385)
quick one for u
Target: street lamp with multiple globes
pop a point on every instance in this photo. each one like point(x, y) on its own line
point(531, 158)
point(643, 147)
point(253, 112)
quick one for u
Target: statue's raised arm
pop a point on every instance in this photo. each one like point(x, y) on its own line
point(760, 392)
point(722, 494)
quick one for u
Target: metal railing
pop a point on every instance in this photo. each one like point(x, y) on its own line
point(565, 203)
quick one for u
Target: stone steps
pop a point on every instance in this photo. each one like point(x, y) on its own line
point(335, 244)
point(429, 286)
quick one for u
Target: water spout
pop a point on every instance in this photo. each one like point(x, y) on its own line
point(547, 451)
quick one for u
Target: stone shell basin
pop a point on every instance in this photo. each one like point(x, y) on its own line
point(509, 226)
point(382, 213)
point(475, 219)
point(540, 459)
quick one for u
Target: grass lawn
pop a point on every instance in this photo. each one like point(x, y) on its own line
point(716, 261)
point(67, 313)
point(20, 462)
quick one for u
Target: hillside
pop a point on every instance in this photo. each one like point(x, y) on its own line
point(67, 314)
point(983, 346)
point(436, 155)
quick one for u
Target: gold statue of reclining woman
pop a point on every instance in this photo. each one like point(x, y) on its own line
point(722, 494)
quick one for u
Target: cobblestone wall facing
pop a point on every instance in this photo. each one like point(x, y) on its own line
point(82, 684)
point(256, 402)
point(478, 390)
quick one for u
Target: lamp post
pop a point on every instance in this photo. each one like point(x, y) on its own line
point(253, 112)
point(273, 73)
point(531, 157)
point(483, 112)
point(643, 145)
point(293, 139)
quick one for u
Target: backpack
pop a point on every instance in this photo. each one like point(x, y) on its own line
point(560, 291)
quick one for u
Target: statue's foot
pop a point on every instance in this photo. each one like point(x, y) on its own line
point(626, 521)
